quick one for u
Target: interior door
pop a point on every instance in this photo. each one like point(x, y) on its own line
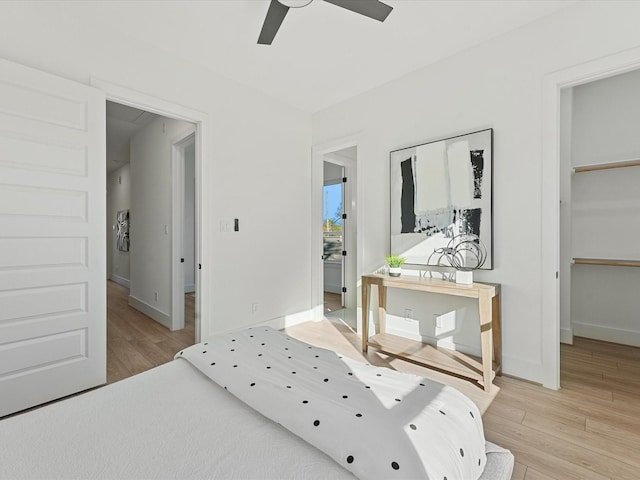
point(52, 237)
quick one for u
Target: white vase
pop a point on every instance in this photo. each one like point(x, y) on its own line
point(464, 278)
point(395, 271)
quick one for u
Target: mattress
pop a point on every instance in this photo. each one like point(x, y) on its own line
point(169, 422)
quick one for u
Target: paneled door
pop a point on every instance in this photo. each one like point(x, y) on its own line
point(52, 237)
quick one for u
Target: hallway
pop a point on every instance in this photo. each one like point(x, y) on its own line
point(135, 342)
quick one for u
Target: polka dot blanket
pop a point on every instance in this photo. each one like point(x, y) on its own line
point(375, 422)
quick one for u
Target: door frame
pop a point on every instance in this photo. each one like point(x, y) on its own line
point(552, 84)
point(133, 98)
point(354, 211)
point(178, 146)
point(346, 244)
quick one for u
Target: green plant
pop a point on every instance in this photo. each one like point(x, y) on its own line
point(394, 261)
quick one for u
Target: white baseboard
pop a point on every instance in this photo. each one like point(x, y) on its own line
point(125, 282)
point(607, 334)
point(458, 347)
point(524, 369)
point(151, 311)
point(513, 366)
point(566, 335)
point(288, 320)
point(189, 288)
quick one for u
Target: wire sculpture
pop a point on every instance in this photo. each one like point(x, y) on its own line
point(464, 252)
point(439, 258)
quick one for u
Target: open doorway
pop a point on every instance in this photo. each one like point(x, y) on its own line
point(335, 214)
point(151, 238)
point(333, 223)
point(599, 214)
point(553, 254)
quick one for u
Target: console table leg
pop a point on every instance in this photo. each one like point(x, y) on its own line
point(486, 338)
point(382, 308)
point(497, 334)
point(366, 291)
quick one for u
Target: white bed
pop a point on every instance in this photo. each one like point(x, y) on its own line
point(171, 422)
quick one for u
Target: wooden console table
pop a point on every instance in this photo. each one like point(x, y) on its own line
point(488, 296)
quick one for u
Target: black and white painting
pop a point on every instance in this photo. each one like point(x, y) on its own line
point(122, 231)
point(439, 190)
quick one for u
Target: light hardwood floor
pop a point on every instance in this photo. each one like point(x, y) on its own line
point(590, 429)
point(135, 342)
point(332, 302)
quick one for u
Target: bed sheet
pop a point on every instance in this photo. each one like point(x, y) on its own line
point(168, 422)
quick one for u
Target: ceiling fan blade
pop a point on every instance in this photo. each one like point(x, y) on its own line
point(272, 22)
point(369, 8)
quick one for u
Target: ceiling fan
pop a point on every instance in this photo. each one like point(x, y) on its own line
point(278, 10)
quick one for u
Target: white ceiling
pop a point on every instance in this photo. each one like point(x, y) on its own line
point(322, 54)
point(122, 123)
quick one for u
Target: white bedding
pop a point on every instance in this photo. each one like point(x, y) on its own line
point(377, 423)
point(170, 422)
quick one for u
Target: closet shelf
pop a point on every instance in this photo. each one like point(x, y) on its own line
point(607, 166)
point(606, 262)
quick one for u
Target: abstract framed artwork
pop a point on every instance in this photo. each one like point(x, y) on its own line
point(122, 231)
point(439, 190)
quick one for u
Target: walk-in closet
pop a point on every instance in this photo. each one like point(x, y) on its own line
point(600, 210)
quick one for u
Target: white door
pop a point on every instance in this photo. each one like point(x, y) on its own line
point(52, 237)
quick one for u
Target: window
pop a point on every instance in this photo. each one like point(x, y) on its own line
point(332, 222)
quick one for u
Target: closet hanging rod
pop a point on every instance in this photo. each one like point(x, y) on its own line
point(606, 262)
point(606, 166)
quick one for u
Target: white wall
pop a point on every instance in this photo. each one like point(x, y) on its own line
point(499, 85)
point(606, 120)
point(150, 216)
point(118, 198)
point(189, 218)
point(252, 140)
point(606, 209)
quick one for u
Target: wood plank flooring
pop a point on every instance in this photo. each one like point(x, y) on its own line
point(135, 342)
point(332, 302)
point(590, 429)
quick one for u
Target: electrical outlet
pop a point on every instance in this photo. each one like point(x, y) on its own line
point(155, 296)
point(444, 323)
point(255, 307)
point(408, 314)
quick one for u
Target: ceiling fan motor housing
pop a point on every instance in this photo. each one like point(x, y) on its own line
point(295, 3)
